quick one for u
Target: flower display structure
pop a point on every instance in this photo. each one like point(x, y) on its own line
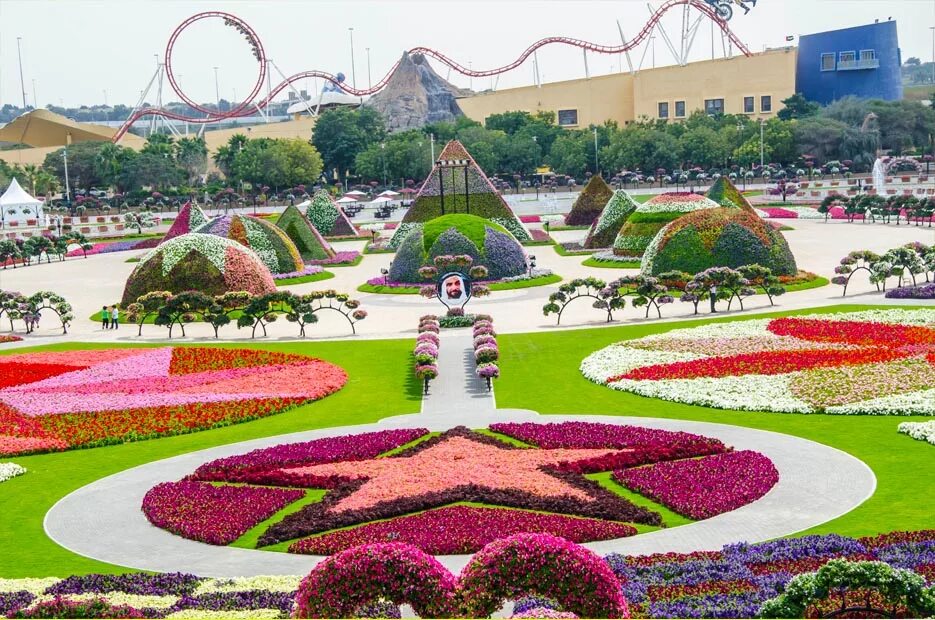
point(270, 243)
point(651, 216)
point(723, 237)
point(841, 363)
point(590, 203)
point(328, 217)
point(70, 399)
point(208, 263)
point(478, 197)
point(487, 244)
point(307, 239)
point(189, 218)
point(377, 492)
point(604, 230)
point(725, 193)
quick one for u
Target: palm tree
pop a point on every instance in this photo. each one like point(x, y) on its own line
point(192, 154)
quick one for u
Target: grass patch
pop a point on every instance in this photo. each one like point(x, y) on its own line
point(388, 290)
point(369, 250)
point(380, 385)
point(563, 227)
point(611, 264)
point(252, 536)
point(548, 241)
point(350, 263)
point(561, 251)
point(902, 500)
point(314, 277)
point(495, 286)
point(132, 260)
point(669, 518)
point(816, 282)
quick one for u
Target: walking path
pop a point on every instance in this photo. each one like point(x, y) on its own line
point(816, 484)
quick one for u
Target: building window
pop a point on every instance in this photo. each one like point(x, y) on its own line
point(766, 103)
point(679, 109)
point(567, 117)
point(868, 55)
point(847, 57)
point(713, 107)
point(827, 62)
point(748, 105)
point(663, 109)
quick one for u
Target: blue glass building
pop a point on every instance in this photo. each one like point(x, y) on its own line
point(863, 61)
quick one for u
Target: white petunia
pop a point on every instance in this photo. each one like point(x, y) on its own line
point(34, 586)
point(10, 470)
point(271, 583)
point(243, 614)
point(923, 431)
point(910, 403)
point(618, 359)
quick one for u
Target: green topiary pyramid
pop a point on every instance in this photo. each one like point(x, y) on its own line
point(308, 241)
point(613, 217)
point(328, 217)
point(726, 194)
point(590, 203)
point(466, 190)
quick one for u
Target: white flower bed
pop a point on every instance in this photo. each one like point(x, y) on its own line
point(10, 470)
point(806, 213)
point(272, 583)
point(746, 393)
point(205, 614)
point(923, 431)
point(618, 359)
point(675, 203)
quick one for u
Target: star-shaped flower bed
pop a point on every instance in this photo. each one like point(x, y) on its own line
point(448, 493)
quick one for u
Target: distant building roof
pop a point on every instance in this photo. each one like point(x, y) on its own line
point(325, 99)
point(39, 128)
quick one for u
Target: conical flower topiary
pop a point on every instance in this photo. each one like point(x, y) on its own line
point(726, 194)
point(590, 202)
point(197, 262)
point(308, 241)
point(328, 216)
point(613, 217)
point(458, 185)
point(272, 245)
point(189, 218)
point(650, 217)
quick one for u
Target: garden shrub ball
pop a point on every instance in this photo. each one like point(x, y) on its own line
point(189, 218)
point(615, 214)
point(724, 237)
point(650, 217)
point(206, 263)
point(307, 239)
point(271, 244)
point(488, 243)
point(590, 202)
point(327, 217)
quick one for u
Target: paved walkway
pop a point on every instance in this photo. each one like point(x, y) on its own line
point(817, 483)
point(457, 390)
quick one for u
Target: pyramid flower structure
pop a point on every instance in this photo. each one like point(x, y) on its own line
point(308, 241)
point(726, 194)
point(328, 217)
point(271, 244)
point(590, 202)
point(615, 214)
point(458, 185)
point(651, 216)
point(189, 218)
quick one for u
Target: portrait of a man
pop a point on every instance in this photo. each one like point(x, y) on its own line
point(453, 288)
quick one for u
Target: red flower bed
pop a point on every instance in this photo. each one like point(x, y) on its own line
point(215, 515)
point(705, 487)
point(803, 565)
point(20, 374)
point(661, 593)
point(853, 332)
point(462, 529)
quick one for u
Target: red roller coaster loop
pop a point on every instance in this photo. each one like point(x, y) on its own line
point(242, 108)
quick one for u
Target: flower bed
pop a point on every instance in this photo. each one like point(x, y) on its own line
point(10, 470)
point(4, 338)
point(923, 431)
point(309, 270)
point(790, 212)
point(923, 291)
point(486, 352)
point(106, 247)
point(58, 400)
point(426, 352)
point(842, 363)
point(339, 258)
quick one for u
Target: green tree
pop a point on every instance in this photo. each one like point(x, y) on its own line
point(83, 164)
point(192, 156)
point(340, 134)
point(820, 137)
point(160, 144)
point(639, 148)
point(303, 162)
point(702, 146)
point(797, 106)
point(224, 156)
point(154, 170)
point(778, 144)
point(406, 156)
point(569, 154)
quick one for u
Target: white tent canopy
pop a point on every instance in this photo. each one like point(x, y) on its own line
point(380, 199)
point(303, 204)
point(356, 193)
point(345, 200)
point(17, 205)
point(388, 193)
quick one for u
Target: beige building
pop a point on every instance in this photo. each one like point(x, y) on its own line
point(753, 85)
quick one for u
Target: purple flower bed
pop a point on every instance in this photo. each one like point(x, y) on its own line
point(705, 487)
point(11, 601)
point(923, 291)
point(238, 601)
point(595, 435)
point(309, 270)
point(107, 247)
point(339, 258)
point(328, 450)
point(215, 515)
point(164, 584)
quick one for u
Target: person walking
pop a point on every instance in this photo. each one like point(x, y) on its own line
point(114, 317)
point(105, 317)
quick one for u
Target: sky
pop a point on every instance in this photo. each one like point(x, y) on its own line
point(75, 52)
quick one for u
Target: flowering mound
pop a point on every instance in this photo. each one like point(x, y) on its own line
point(189, 218)
point(409, 486)
point(872, 362)
point(718, 238)
point(327, 217)
point(60, 400)
point(488, 243)
point(651, 216)
point(271, 244)
point(308, 241)
point(615, 214)
point(590, 202)
point(206, 263)
point(726, 194)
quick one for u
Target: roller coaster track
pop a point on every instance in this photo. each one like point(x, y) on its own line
point(244, 107)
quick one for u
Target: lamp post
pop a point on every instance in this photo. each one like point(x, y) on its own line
point(353, 64)
point(932, 28)
point(67, 187)
point(383, 159)
point(22, 84)
point(217, 91)
point(762, 123)
point(596, 165)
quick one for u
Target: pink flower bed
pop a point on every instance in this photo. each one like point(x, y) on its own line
point(705, 487)
point(530, 219)
point(214, 515)
point(779, 212)
point(596, 435)
point(538, 234)
point(462, 529)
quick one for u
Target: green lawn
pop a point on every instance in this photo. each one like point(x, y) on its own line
point(380, 385)
point(903, 499)
point(315, 277)
point(611, 264)
point(496, 286)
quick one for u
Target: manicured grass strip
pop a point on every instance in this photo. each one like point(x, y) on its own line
point(561, 251)
point(669, 518)
point(611, 264)
point(132, 260)
point(252, 536)
point(804, 286)
point(903, 499)
point(381, 384)
point(496, 286)
point(314, 277)
point(388, 290)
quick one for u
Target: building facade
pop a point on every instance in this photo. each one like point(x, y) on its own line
point(863, 61)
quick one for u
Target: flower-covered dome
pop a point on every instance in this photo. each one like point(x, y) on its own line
point(328, 217)
point(189, 218)
point(271, 244)
point(724, 237)
point(612, 218)
point(198, 262)
point(652, 215)
point(488, 243)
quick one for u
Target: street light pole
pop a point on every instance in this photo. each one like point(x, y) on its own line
point(383, 159)
point(217, 91)
point(369, 80)
point(22, 84)
point(353, 65)
point(596, 164)
point(932, 28)
point(761, 142)
point(67, 187)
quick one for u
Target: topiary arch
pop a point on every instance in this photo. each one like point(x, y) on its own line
point(606, 298)
point(901, 593)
